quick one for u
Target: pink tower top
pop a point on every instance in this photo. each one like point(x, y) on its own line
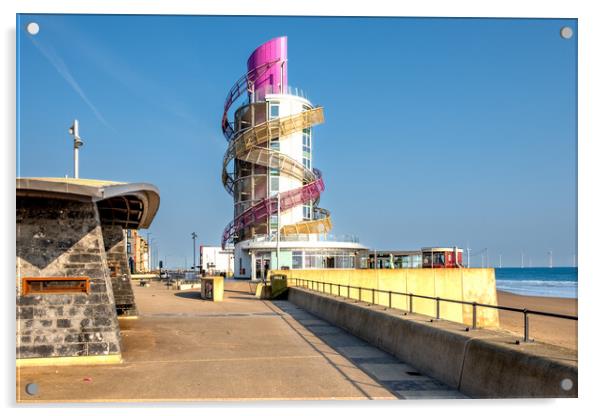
point(270, 55)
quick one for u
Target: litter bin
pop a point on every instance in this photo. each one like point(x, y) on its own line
point(212, 288)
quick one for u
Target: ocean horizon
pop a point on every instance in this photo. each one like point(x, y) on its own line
point(560, 282)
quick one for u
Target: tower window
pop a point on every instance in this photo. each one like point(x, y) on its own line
point(274, 109)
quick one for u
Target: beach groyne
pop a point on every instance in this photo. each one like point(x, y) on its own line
point(481, 363)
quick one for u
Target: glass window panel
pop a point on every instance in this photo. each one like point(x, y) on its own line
point(274, 109)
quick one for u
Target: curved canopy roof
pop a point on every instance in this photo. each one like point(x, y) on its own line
point(131, 205)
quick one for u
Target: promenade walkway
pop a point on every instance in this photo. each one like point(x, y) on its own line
point(184, 349)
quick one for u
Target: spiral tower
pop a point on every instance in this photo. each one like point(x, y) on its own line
point(267, 167)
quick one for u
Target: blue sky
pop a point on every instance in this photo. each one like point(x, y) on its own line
point(438, 131)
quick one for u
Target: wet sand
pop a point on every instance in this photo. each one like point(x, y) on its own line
point(561, 332)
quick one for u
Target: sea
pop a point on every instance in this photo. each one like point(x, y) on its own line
point(559, 282)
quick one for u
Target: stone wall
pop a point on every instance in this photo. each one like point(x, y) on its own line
point(115, 249)
point(58, 237)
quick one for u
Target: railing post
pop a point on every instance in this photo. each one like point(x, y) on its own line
point(339, 289)
point(373, 296)
point(330, 287)
point(348, 296)
point(360, 299)
point(390, 294)
point(411, 303)
point(474, 315)
point(438, 315)
point(526, 324)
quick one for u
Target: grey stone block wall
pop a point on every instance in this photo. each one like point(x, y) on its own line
point(61, 238)
point(121, 280)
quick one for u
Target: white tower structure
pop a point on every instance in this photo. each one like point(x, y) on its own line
point(268, 169)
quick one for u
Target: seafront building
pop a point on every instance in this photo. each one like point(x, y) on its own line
point(137, 252)
point(268, 169)
point(216, 260)
point(73, 279)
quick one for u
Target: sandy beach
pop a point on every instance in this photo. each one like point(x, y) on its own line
point(549, 330)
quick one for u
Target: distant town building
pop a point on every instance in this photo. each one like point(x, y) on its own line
point(137, 251)
point(217, 260)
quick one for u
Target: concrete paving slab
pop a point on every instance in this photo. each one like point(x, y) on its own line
point(391, 372)
point(182, 348)
point(362, 352)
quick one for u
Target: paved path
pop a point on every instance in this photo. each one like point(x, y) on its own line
point(185, 349)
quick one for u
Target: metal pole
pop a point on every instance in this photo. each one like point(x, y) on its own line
point(194, 251)
point(474, 315)
point(148, 249)
point(373, 296)
point(526, 325)
point(390, 294)
point(77, 143)
point(438, 308)
point(411, 303)
point(75, 161)
point(278, 235)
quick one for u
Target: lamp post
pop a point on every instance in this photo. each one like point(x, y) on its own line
point(194, 236)
point(148, 249)
point(278, 235)
point(151, 259)
point(77, 143)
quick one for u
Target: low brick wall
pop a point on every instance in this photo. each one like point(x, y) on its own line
point(481, 364)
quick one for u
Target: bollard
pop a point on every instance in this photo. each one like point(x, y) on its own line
point(474, 315)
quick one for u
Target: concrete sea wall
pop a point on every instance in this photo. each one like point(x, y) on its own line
point(471, 285)
point(481, 363)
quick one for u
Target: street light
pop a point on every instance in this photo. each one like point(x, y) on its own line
point(77, 143)
point(148, 249)
point(194, 236)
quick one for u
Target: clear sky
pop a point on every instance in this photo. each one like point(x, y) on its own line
point(438, 131)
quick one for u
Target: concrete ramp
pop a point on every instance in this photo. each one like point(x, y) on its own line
point(480, 364)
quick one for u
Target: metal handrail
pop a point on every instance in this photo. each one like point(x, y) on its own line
point(526, 312)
